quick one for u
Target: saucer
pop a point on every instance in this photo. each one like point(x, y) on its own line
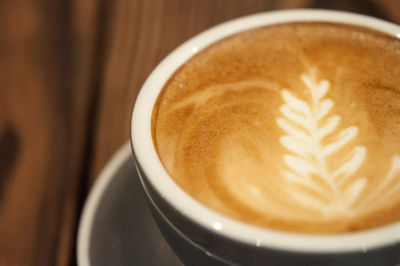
point(116, 226)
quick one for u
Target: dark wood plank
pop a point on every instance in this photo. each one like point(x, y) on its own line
point(391, 8)
point(86, 25)
point(45, 59)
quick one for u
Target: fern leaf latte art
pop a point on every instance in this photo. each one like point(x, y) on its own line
point(336, 192)
point(292, 127)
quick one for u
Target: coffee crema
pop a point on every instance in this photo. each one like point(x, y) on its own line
point(293, 127)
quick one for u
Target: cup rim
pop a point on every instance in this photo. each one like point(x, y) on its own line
point(147, 157)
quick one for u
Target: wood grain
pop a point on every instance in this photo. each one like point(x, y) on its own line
point(69, 74)
point(44, 97)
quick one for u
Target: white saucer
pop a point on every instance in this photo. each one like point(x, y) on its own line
point(116, 227)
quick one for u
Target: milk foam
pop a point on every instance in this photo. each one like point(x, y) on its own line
point(293, 127)
point(305, 130)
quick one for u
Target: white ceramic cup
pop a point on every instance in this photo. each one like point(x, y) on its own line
point(226, 240)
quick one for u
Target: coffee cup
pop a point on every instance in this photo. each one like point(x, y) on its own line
point(271, 140)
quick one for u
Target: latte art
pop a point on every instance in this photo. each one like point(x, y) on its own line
point(293, 127)
point(341, 194)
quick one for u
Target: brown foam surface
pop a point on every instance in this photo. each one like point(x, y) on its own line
point(293, 127)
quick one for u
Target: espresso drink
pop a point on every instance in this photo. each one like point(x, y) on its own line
point(292, 127)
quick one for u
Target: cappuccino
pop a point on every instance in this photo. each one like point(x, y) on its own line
point(293, 127)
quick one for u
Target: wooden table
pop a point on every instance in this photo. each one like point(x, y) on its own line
point(69, 74)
